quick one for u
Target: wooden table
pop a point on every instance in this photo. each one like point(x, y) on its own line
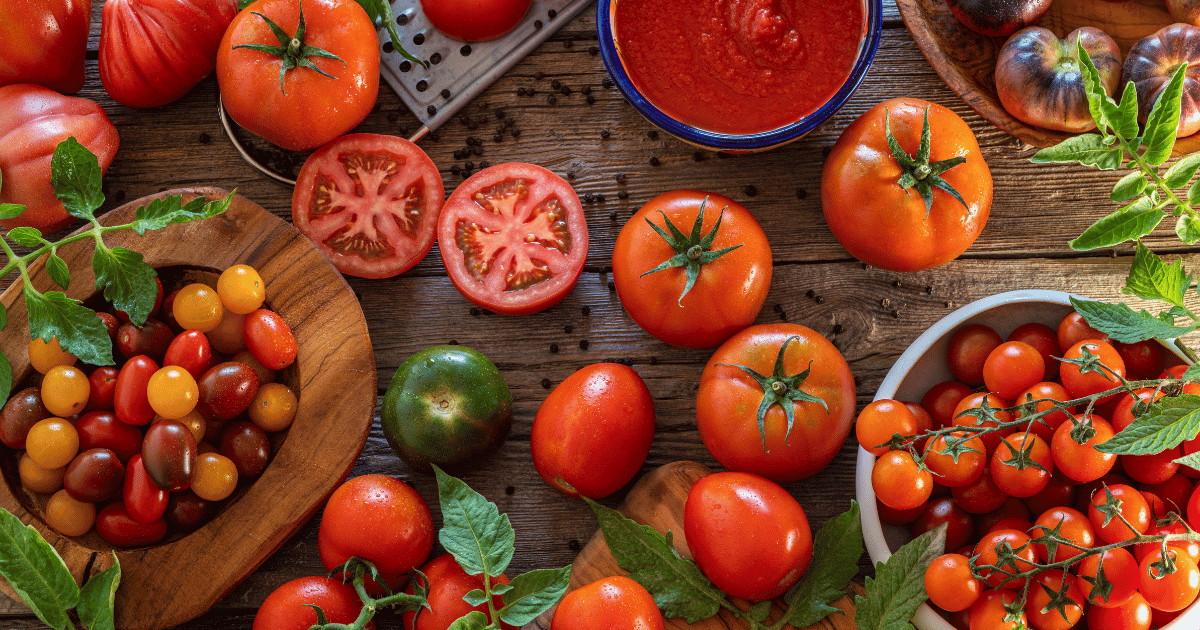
point(871, 315)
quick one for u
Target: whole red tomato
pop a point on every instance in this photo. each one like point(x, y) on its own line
point(886, 225)
point(44, 42)
point(592, 433)
point(289, 607)
point(612, 603)
point(475, 20)
point(447, 584)
point(747, 534)
point(370, 203)
point(380, 519)
point(33, 121)
point(799, 434)
point(153, 51)
point(306, 108)
point(730, 285)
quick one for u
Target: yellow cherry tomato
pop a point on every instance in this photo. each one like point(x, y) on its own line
point(172, 392)
point(52, 443)
point(241, 289)
point(38, 479)
point(197, 306)
point(65, 390)
point(44, 355)
point(68, 516)
point(274, 407)
point(215, 478)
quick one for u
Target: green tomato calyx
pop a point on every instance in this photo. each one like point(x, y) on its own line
point(919, 172)
point(291, 49)
point(692, 251)
point(780, 389)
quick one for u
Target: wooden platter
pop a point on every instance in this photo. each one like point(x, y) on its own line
point(657, 500)
point(966, 60)
point(334, 377)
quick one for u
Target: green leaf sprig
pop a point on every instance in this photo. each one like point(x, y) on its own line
point(125, 279)
point(680, 590)
point(41, 579)
point(898, 588)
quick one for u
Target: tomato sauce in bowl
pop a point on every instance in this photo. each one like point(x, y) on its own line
point(736, 69)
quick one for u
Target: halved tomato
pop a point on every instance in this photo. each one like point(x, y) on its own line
point(514, 238)
point(370, 203)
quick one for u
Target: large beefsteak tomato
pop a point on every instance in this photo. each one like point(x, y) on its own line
point(281, 88)
point(776, 400)
point(692, 285)
point(44, 42)
point(33, 121)
point(894, 210)
point(153, 51)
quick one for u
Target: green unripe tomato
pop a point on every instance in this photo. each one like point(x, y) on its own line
point(446, 405)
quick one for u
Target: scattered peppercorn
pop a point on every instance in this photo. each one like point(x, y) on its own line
point(837, 329)
point(589, 198)
point(552, 13)
point(484, 164)
point(552, 99)
point(801, 193)
point(593, 51)
point(895, 314)
point(611, 286)
point(435, 58)
point(520, 91)
point(477, 150)
point(583, 344)
point(568, 329)
point(612, 216)
point(205, 138)
point(929, 290)
point(537, 24)
point(556, 84)
point(465, 50)
point(573, 545)
point(654, 161)
point(419, 39)
point(750, 190)
point(599, 197)
point(820, 300)
point(587, 310)
point(452, 342)
point(516, 132)
point(566, 90)
point(604, 133)
point(570, 43)
point(653, 360)
point(570, 174)
point(466, 173)
point(622, 195)
point(509, 490)
point(699, 156)
point(652, 134)
point(591, 100)
point(825, 151)
point(431, 109)
point(474, 312)
point(553, 348)
point(607, 83)
point(545, 383)
point(538, 76)
point(620, 178)
point(810, 293)
point(470, 166)
point(454, 168)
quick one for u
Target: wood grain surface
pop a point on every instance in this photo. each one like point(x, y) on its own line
point(333, 376)
point(870, 315)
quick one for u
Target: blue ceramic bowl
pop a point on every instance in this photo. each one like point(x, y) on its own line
point(727, 142)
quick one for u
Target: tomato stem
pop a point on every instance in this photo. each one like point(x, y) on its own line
point(692, 251)
point(291, 49)
point(917, 171)
point(781, 389)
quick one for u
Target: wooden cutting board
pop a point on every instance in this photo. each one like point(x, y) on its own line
point(657, 500)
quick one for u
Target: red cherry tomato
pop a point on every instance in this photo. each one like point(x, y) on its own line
point(1121, 570)
point(968, 350)
point(101, 429)
point(269, 339)
point(289, 607)
point(607, 604)
point(1169, 591)
point(513, 238)
point(1073, 329)
point(1022, 465)
point(1134, 510)
point(1143, 359)
point(475, 20)
point(1013, 367)
point(144, 501)
point(103, 385)
point(118, 528)
point(1082, 462)
point(370, 203)
point(1134, 614)
point(380, 519)
point(130, 401)
point(747, 534)
point(941, 400)
point(879, 421)
point(191, 351)
point(950, 584)
point(898, 482)
point(985, 549)
point(1043, 338)
point(592, 433)
point(1079, 384)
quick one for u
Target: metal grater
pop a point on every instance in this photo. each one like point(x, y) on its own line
point(458, 71)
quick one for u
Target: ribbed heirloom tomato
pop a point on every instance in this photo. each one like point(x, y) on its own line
point(305, 107)
point(895, 211)
point(692, 285)
point(786, 379)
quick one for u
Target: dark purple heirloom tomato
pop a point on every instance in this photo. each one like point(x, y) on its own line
point(187, 512)
point(150, 339)
point(1153, 60)
point(998, 17)
point(1039, 77)
point(1186, 11)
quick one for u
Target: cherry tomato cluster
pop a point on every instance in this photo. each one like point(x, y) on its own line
point(143, 449)
point(1038, 493)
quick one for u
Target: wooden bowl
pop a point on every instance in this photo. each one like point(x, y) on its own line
point(966, 60)
point(167, 584)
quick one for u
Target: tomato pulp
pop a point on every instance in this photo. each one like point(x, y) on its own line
point(738, 66)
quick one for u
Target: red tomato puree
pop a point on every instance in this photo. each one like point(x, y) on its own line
point(738, 66)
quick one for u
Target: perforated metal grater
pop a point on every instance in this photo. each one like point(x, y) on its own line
point(459, 71)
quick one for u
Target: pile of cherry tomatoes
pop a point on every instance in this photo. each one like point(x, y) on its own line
point(1038, 493)
point(143, 449)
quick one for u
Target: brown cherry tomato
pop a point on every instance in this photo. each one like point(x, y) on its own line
point(150, 339)
point(248, 447)
point(169, 455)
point(226, 390)
point(21, 412)
point(1039, 79)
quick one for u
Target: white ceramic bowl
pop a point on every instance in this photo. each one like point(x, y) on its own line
point(922, 366)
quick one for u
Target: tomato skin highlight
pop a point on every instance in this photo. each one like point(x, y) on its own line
point(728, 399)
point(370, 203)
point(885, 225)
point(592, 434)
point(729, 291)
point(496, 227)
point(309, 109)
point(747, 534)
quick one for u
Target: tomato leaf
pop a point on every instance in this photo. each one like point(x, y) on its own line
point(10, 210)
point(160, 213)
point(1124, 324)
point(57, 268)
point(1129, 187)
point(36, 572)
point(26, 236)
point(97, 597)
point(1182, 171)
point(678, 586)
point(1187, 228)
point(1129, 223)
point(127, 281)
point(78, 329)
point(474, 530)
point(5, 375)
point(533, 593)
point(1087, 149)
point(1152, 279)
point(473, 620)
point(1162, 124)
point(75, 175)
point(898, 588)
point(836, 549)
point(1166, 424)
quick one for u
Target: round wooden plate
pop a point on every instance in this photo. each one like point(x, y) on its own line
point(966, 60)
point(167, 584)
